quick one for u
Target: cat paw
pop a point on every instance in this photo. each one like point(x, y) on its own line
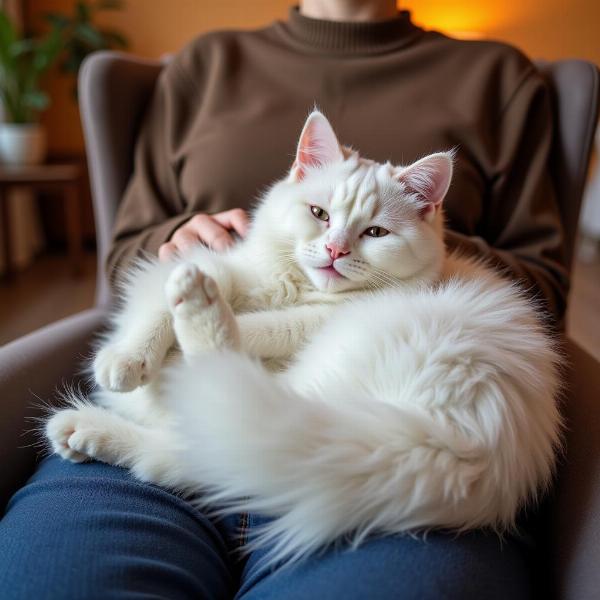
point(77, 436)
point(59, 430)
point(122, 371)
point(202, 319)
point(189, 290)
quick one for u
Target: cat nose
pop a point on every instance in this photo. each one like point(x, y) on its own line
point(337, 250)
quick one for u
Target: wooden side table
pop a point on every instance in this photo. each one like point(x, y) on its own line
point(65, 177)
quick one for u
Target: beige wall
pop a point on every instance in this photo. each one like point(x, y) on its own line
point(542, 28)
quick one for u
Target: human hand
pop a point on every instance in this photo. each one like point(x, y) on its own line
point(212, 230)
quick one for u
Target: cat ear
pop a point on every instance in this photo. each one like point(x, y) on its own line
point(428, 178)
point(318, 146)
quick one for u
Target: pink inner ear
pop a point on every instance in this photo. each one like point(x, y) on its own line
point(318, 145)
point(429, 178)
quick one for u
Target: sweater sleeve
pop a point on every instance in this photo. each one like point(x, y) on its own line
point(521, 231)
point(152, 207)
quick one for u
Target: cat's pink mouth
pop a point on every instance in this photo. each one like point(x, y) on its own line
point(331, 271)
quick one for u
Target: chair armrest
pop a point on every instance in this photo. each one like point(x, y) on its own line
point(575, 510)
point(34, 366)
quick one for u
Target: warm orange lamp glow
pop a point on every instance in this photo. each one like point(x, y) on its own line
point(460, 18)
point(463, 35)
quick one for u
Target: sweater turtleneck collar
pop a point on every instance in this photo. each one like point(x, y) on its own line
point(349, 37)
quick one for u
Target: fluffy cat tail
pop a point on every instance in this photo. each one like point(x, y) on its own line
point(328, 469)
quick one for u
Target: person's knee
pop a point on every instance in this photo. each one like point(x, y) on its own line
point(454, 568)
point(76, 531)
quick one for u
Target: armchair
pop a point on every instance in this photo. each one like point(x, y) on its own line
point(114, 89)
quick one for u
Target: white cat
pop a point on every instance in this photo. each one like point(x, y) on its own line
point(405, 389)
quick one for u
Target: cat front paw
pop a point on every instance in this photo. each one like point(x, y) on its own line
point(189, 290)
point(122, 370)
point(78, 435)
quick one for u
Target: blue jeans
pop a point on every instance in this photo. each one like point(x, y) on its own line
point(91, 531)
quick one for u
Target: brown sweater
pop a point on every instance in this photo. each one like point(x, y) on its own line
point(227, 113)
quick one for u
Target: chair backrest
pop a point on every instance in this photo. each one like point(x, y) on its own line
point(575, 87)
point(114, 90)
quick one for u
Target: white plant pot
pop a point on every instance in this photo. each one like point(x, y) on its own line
point(22, 144)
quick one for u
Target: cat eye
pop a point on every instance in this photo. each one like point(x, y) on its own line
point(376, 231)
point(321, 214)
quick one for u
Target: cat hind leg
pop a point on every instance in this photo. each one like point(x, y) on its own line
point(88, 432)
point(202, 319)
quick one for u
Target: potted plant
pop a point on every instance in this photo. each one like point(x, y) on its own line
point(25, 59)
point(23, 62)
point(81, 34)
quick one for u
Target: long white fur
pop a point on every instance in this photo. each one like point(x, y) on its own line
point(402, 436)
point(418, 391)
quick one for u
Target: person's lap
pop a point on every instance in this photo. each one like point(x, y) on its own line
point(468, 566)
point(91, 531)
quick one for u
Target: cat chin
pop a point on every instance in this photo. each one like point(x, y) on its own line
point(331, 282)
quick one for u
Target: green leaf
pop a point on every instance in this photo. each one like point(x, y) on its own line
point(109, 5)
point(36, 100)
point(25, 59)
point(22, 62)
point(71, 64)
point(8, 102)
point(114, 38)
point(83, 12)
point(86, 33)
point(47, 51)
point(8, 36)
point(21, 47)
point(41, 62)
point(8, 33)
point(57, 20)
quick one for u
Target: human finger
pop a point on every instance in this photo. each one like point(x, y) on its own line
point(185, 238)
point(211, 232)
point(167, 251)
point(236, 219)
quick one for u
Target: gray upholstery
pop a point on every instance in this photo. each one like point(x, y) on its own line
point(31, 369)
point(114, 90)
point(574, 519)
point(575, 88)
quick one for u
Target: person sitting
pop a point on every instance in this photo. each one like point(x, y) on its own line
point(220, 127)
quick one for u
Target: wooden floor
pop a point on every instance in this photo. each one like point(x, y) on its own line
point(43, 293)
point(46, 292)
